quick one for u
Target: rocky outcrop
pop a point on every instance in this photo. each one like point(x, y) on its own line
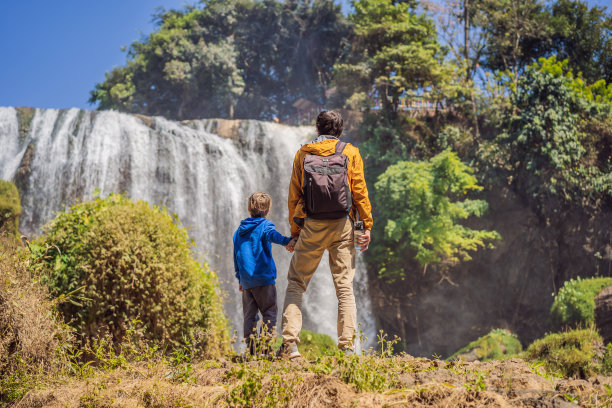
point(603, 314)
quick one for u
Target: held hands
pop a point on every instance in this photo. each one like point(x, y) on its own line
point(291, 245)
point(364, 240)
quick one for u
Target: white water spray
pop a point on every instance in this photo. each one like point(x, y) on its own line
point(62, 156)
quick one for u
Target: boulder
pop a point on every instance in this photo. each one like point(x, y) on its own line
point(603, 313)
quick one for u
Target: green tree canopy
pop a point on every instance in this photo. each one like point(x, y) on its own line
point(421, 204)
point(393, 50)
point(583, 35)
point(237, 58)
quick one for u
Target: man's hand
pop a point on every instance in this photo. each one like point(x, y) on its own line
point(364, 240)
point(291, 245)
point(240, 287)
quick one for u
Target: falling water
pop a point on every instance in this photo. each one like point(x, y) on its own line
point(201, 170)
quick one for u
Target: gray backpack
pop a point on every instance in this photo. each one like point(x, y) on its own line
point(327, 193)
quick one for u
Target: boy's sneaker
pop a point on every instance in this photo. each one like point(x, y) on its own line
point(288, 351)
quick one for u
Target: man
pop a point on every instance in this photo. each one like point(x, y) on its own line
point(322, 210)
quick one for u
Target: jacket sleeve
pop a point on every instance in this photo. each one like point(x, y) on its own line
point(360, 192)
point(295, 192)
point(274, 236)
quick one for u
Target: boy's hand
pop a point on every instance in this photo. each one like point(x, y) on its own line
point(240, 287)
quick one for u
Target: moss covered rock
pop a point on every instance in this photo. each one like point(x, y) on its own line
point(117, 261)
point(313, 345)
point(10, 207)
point(574, 305)
point(495, 345)
point(575, 353)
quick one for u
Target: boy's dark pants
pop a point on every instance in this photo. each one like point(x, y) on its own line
point(262, 299)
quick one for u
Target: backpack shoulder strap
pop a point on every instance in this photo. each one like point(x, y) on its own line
point(340, 147)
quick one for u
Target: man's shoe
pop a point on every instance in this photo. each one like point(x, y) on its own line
point(288, 351)
point(347, 351)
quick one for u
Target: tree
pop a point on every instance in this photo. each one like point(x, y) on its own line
point(419, 202)
point(515, 31)
point(582, 35)
point(393, 51)
point(243, 58)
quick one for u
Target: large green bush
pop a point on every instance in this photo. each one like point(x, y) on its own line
point(119, 260)
point(575, 353)
point(574, 305)
point(495, 345)
point(10, 207)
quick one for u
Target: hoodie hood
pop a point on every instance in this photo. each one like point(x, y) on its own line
point(323, 148)
point(248, 225)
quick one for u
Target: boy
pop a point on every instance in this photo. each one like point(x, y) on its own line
point(255, 268)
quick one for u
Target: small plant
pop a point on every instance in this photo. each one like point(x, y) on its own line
point(476, 382)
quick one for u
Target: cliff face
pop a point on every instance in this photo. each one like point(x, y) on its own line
point(509, 287)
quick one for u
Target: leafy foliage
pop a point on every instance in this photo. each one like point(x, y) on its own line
point(574, 305)
point(575, 353)
point(10, 207)
point(582, 36)
point(495, 345)
point(242, 58)
point(554, 143)
point(394, 50)
point(116, 261)
point(417, 201)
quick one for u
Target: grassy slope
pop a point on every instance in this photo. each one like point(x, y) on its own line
point(330, 381)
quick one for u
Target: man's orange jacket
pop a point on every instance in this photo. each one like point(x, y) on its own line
point(357, 183)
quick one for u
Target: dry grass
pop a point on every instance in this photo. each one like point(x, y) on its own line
point(417, 383)
point(31, 334)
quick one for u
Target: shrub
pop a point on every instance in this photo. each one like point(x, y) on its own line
point(575, 353)
point(10, 207)
point(31, 332)
point(117, 261)
point(574, 305)
point(496, 345)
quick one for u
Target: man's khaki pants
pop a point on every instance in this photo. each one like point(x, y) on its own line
point(318, 235)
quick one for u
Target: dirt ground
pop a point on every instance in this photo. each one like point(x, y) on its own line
point(415, 382)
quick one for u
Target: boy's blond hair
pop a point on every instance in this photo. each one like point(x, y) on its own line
point(259, 204)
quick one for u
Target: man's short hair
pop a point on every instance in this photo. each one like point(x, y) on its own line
point(259, 204)
point(330, 123)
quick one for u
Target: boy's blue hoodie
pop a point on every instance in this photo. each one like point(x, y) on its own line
point(253, 260)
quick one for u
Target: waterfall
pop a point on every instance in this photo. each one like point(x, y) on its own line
point(202, 170)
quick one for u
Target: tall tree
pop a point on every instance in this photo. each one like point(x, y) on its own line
point(243, 58)
point(583, 36)
point(394, 50)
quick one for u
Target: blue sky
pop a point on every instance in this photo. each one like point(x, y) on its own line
point(52, 53)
